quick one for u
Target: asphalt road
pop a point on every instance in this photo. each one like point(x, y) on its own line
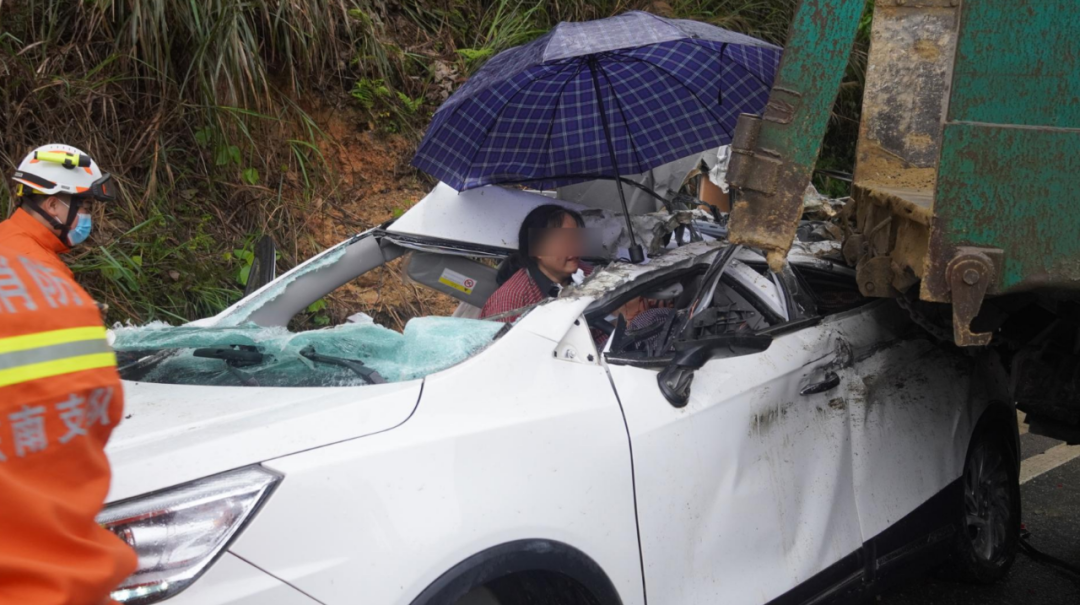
point(1050, 493)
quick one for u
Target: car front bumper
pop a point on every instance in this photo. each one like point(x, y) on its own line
point(233, 581)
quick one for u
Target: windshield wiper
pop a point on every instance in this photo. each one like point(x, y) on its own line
point(357, 366)
point(136, 364)
point(235, 356)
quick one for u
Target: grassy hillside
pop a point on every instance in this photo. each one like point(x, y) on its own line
point(227, 120)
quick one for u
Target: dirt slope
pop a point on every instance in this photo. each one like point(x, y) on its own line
point(374, 183)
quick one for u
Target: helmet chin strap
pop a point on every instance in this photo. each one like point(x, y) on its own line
point(64, 227)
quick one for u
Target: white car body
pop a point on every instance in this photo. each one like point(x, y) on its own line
point(539, 450)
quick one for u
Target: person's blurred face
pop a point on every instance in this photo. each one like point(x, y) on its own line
point(558, 250)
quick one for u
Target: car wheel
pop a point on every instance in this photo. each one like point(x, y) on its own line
point(990, 509)
point(530, 588)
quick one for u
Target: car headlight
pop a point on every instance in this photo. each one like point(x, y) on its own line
point(178, 532)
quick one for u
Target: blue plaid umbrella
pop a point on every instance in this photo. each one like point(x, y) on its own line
point(670, 88)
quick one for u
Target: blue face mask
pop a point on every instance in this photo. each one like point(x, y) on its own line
point(80, 231)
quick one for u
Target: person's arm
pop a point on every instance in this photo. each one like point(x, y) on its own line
point(60, 399)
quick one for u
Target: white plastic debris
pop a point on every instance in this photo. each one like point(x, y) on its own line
point(718, 173)
point(360, 318)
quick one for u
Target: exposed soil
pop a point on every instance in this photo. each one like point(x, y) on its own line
point(374, 183)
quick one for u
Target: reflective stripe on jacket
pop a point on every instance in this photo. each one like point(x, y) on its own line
point(60, 398)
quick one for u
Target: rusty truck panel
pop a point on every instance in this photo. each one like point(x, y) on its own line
point(968, 159)
point(773, 156)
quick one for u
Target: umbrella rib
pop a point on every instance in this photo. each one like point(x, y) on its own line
point(555, 109)
point(684, 86)
point(749, 72)
point(622, 112)
point(487, 133)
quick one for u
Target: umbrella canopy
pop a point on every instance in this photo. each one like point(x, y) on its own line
point(669, 88)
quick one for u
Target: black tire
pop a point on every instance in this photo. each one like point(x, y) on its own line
point(539, 588)
point(989, 509)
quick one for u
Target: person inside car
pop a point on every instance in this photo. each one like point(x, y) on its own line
point(550, 242)
point(548, 258)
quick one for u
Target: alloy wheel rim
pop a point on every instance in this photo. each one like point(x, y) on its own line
point(987, 502)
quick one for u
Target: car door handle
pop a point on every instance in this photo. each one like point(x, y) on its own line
point(832, 379)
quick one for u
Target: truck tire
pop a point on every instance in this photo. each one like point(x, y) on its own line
point(989, 511)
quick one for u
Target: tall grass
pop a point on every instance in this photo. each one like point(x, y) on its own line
point(195, 107)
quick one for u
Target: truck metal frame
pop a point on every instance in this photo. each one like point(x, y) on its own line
point(968, 154)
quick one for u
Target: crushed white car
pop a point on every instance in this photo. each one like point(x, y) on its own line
point(791, 443)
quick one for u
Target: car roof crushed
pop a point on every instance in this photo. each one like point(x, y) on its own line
point(619, 276)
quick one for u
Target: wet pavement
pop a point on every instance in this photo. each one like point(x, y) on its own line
point(1051, 512)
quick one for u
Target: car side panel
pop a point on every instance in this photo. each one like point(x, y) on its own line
point(746, 493)
point(913, 406)
point(513, 444)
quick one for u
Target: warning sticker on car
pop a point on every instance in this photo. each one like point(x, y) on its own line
point(457, 281)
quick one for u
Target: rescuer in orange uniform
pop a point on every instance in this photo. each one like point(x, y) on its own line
point(52, 186)
point(60, 398)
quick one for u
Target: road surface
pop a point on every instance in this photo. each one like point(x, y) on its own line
point(1050, 496)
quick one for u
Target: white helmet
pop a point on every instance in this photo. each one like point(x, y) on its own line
point(52, 169)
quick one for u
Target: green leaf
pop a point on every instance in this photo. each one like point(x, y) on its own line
point(137, 259)
point(221, 155)
point(321, 320)
point(234, 154)
point(411, 105)
point(317, 306)
point(202, 137)
point(250, 176)
point(475, 54)
point(368, 91)
point(360, 16)
point(397, 212)
point(242, 275)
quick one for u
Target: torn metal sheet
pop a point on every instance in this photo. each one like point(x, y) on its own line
point(620, 276)
point(650, 229)
point(279, 301)
point(275, 288)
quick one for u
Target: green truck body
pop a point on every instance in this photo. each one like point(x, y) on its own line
point(968, 160)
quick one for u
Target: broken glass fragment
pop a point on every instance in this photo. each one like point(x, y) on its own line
point(427, 345)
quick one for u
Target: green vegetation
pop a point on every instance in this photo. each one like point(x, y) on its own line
point(198, 109)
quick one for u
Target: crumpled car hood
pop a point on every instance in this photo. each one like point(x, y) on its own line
point(171, 434)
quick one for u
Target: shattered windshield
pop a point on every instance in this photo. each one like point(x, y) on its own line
point(351, 354)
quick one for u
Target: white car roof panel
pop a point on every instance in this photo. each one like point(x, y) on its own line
point(487, 216)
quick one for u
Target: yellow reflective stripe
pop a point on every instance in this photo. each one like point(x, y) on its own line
point(47, 369)
point(53, 337)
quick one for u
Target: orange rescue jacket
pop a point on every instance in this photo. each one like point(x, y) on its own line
point(60, 398)
point(25, 235)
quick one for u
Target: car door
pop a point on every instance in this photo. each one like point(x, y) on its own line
point(745, 494)
point(912, 407)
point(912, 412)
